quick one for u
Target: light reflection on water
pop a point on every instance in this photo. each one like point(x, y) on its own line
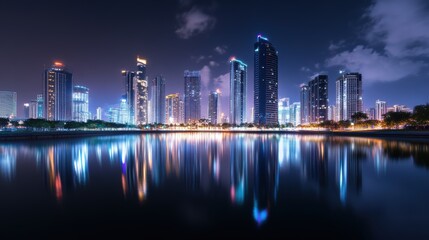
point(246, 168)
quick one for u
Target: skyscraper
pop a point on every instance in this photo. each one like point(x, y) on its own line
point(40, 106)
point(141, 93)
point(157, 99)
point(32, 112)
point(129, 96)
point(332, 113)
point(295, 113)
point(305, 104)
point(26, 110)
point(58, 91)
point(80, 103)
point(284, 113)
point(172, 114)
point(318, 97)
point(380, 109)
point(182, 109)
point(266, 82)
point(238, 91)
point(192, 96)
point(348, 95)
point(214, 107)
point(99, 113)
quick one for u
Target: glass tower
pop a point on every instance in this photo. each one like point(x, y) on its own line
point(348, 95)
point(238, 85)
point(266, 82)
point(192, 96)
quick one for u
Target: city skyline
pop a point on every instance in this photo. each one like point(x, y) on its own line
point(194, 36)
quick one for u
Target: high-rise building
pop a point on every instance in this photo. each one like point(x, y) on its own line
point(99, 113)
point(401, 108)
point(129, 96)
point(332, 113)
point(318, 97)
point(80, 103)
point(305, 103)
point(181, 109)
point(214, 107)
point(266, 82)
point(26, 110)
point(157, 99)
point(141, 93)
point(8, 102)
point(284, 113)
point(370, 112)
point(238, 91)
point(40, 105)
point(348, 95)
point(295, 113)
point(192, 96)
point(380, 109)
point(123, 113)
point(172, 114)
point(32, 112)
point(58, 91)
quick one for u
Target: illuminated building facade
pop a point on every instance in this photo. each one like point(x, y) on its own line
point(157, 99)
point(58, 91)
point(172, 114)
point(238, 91)
point(192, 96)
point(266, 82)
point(348, 95)
point(80, 103)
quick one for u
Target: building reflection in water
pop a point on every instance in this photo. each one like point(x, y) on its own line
point(7, 162)
point(245, 167)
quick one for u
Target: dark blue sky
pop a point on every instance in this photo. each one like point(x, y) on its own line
point(386, 40)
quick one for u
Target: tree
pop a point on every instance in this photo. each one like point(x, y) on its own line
point(344, 124)
point(421, 114)
point(4, 122)
point(329, 124)
point(359, 116)
point(396, 118)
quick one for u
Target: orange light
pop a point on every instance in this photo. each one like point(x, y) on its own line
point(59, 64)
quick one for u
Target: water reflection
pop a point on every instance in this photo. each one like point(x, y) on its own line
point(246, 168)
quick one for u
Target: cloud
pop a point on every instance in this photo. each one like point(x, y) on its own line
point(213, 64)
point(397, 42)
point(374, 66)
point(402, 26)
point(222, 82)
point(305, 69)
point(194, 22)
point(336, 46)
point(317, 66)
point(221, 50)
point(205, 73)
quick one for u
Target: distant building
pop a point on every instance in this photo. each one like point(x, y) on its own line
point(58, 91)
point(192, 96)
point(305, 103)
point(318, 96)
point(40, 105)
point(238, 91)
point(26, 110)
point(402, 108)
point(129, 78)
point(123, 112)
point(99, 115)
point(214, 107)
point(172, 107)
point(295, 113)
point(181, 109)
point(80, 103)
point(157, 99)
point(332, 113)
point(265, 82)
point(7, 104)
point(370, 112)
point(348, 95)
point(380, 109)
point(32, 111)
point(284, 113)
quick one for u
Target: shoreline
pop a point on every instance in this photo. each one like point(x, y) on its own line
point(396, 134)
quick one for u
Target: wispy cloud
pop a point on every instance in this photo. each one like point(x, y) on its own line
point(336, 46)
point(221, 50)
point(305, 69)
point(397, 42)
point(194, 22)
point(213, 64)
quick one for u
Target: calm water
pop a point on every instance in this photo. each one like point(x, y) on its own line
point(212, 184)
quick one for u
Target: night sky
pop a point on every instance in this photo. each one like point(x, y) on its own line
point(386, 40)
